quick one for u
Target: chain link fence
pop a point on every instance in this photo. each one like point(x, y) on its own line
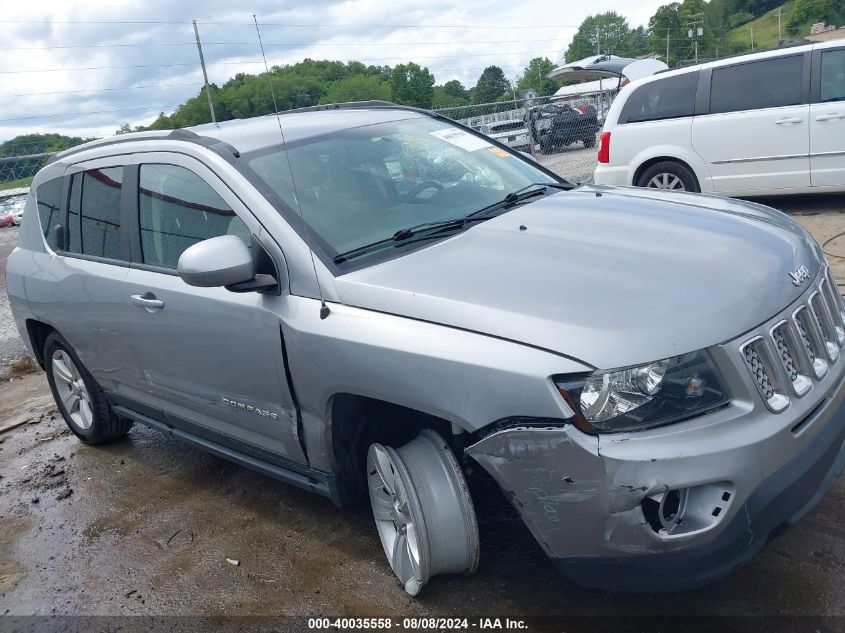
point(561, 135)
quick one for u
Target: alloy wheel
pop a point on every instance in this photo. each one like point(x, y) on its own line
point(72, 390)
point(666, 180)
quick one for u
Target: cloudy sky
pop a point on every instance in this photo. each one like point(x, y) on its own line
point(84, 68)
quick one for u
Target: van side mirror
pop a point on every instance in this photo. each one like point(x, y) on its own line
point(222, 261)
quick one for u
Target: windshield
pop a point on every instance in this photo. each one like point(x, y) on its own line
point(364, 184)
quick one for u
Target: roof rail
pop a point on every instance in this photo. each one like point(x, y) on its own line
point(175, 135)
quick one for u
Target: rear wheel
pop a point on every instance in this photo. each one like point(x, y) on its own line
point(79, 398)
point(668, 175)
point(422, 509)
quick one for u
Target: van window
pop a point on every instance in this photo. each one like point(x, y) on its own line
point(94, 213)
point(667, 98)
point(833, 76)
point(178, 209)
point(49, 197)
point(769, 83)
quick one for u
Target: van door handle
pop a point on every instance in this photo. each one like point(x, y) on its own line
point(147, 300)
point(788, 120)
point(830, 117)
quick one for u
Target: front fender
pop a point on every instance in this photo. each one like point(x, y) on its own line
point(466, 378)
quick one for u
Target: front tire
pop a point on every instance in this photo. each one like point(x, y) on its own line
point(81, 401)
point(423, 510)
point(670, 176)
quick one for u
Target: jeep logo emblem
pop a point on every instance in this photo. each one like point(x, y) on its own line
point(800, 276)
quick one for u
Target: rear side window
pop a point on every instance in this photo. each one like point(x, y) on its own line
point(94, 213)
point(178, 209)
point(49, 197)
point(770, 83)
point(833, 76)
point(667, 98)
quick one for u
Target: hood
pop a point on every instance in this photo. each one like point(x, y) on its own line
point(610, 277)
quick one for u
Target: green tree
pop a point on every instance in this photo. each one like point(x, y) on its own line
point(442, 99)
point(806, 12)
point(491, 85)
point(609, 31)
point(357, 88)
point(412, 85)
point(534, 77)
point(456, 90)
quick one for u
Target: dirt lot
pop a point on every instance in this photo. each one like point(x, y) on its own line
point(146, 525)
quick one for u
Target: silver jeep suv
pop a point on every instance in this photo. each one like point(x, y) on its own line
point(379, 297)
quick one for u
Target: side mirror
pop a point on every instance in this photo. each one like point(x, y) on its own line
point(528, 156)
point(221, 261)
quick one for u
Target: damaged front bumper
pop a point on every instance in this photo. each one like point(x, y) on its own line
point(590, 501)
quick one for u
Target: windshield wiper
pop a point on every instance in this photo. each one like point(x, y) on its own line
point(521, 194)
point(430, 229)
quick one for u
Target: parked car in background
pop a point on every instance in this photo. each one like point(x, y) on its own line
point(555, 126)
point(761, 124)
point(385, 300)
point(510, 132)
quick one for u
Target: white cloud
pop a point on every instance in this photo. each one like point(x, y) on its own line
point(152, 65)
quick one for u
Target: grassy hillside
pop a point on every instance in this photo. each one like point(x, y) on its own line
point(765, 30)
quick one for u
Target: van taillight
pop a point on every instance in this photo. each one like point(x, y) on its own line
point(604, 147)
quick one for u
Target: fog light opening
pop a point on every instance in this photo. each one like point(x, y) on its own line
point(665, 511)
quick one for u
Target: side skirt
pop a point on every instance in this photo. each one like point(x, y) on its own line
point(218, 444)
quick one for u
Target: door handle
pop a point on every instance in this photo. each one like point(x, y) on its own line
point(830, 117)
point(788, 120)
point(147, 300)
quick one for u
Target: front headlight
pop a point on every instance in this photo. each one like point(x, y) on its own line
point(655, 394)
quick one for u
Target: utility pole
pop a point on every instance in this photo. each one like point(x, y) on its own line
point(668, 29)
point(695, 29)
point(752, 37)
point(779, 14)
point(204, 73)
point(598, 41)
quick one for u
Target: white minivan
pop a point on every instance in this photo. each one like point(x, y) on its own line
point(768, 123)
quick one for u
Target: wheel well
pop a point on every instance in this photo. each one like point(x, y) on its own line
point(663, 159)
point(38, 333)
point(357, 422)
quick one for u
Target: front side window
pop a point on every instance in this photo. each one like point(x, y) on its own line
point(769, 83)
point(360, 185)
point(94, 213)
point(667, 98)
point(178, 209)
point(48, 197)
point(833, 76)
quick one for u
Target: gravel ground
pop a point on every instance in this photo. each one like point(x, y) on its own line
point(146, 525)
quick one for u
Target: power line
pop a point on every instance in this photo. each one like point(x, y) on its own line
point(230, 63)
point(284, 44)
point(65, 92)
point(298, 25)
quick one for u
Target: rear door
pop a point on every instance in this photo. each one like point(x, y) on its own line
point(212, 360)
point(87, 274)
point(755, 135)
point(827, 118)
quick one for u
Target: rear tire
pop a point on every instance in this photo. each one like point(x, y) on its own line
point(81, 401)
point(670, 176)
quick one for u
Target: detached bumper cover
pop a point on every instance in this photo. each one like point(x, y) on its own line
point(592, 526)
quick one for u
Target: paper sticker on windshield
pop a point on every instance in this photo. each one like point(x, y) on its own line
point(461, 139)
point(498, 151)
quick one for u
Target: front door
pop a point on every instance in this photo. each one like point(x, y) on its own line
point(756, 134)
point(827, 119)
point(212, 359)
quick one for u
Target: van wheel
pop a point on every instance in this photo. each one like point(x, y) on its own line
point(590, 141)
point(423, 510)
point(669, 175)
point(79, 398)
